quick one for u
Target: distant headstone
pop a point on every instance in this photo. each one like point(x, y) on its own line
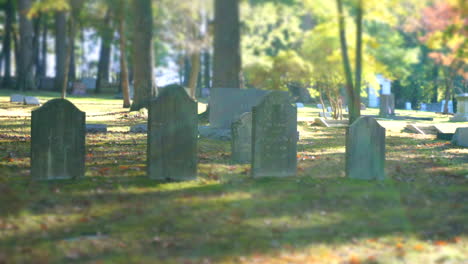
point(363, 106)
point(450, 106)
point(387, 105)
point(57, 141)
point(214, 133)
point(241, 143)
point(299, 105)
point(373, 97)
point(17, 98)
point(31, 100)
point(141, 128)
point(462, 109)
point(90, 83)
point(228, 104)
point(46, 84)
point(274, 137)
point(326, 114)
point(96, 128)
point(79, 88)
point(172, 135)
point(461, 137)
point(408, 106)
point(365, 150)
point(423, 107)
point(319, 106)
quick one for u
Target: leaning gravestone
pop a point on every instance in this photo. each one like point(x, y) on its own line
point(365, 150)
point(241, 143)
point(172, 135)
point(274, 137)
point(57, 141)
point(31, 100)
point(387, 105)
point(228, 104)
point(461, 137)
point(17, 98)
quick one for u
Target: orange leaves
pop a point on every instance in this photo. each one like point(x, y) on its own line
point(306, 157)
point(354, 260)
point(103, 171)
point(440, 243)
point(418, 247)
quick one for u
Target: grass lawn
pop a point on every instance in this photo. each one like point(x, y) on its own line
point(117, 215)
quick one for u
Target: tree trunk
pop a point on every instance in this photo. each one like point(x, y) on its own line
point(187, 70)
point(60, 49)
point(358, 70)
point(72, 66)
point(207, 69)
point(448, 88)
point(26, 63)
point(105, 53)
point(42, 71)
point(354, 108)
point(9, 13)
point(144, 83)
point(123, 64)
point(36, 41)
point(195, 70)
point(227, 53)
point(435, 95)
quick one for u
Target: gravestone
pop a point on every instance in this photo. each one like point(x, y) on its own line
point(449, 106)
point(79, 88)
point(462, 109)
point(365, 150)
point(228, 104)
point(31, 100)
point(57, 141)
point(90, 83)
point(17, 98)
point(96, 128)
point(300, 105)
point(387, 105)
point(408, 106)
point(172, 135)
point(274, 137)
point(461, 137)
point(141, 128)
point(241, 143)
point(423, 107)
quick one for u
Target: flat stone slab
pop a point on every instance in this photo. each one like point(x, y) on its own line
point(422, 129)
point(31, 100)
point(461, 137)
point(141, 128)
point(17, 98)
point(96, 128)
point(331, 123)
point(214, 133)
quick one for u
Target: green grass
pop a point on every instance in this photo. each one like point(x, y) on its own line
point(117, 215)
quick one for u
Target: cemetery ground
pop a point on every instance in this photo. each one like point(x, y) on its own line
point(117, 215)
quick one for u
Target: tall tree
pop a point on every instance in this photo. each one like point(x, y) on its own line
point(227, 53)
point(105, 53)
point(9, 13)
point(60, 49)
point(123, 54)
point(143, 54)
point(26, 79)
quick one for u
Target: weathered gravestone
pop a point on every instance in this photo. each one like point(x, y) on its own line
point(31, 100)
point(96, 128)
point(57, 141)
point(462, 109)
point(274, 137)
point(172, 135)
point(17, 98)
point(365, 150)
point(228, 104)
point(461, 137)
point(241, 143)
point(387, 105)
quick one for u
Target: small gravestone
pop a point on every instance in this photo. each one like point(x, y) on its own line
point(96, 128)
point(141, 128)
point(79, 88)
point(365, 150)
point(274, 137)
point(461, 137)
point(300, 105)
point(462, 108)
point(241, 142)
point(90, 83)
point(387, 105)
point(57, 141)
point(172, 135)
point(16, 98)
point(31, 100)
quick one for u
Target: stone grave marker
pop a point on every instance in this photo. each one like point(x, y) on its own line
point(17, 98)
point(228, 104)
point(387, 105)
point(79, 88)
point(241, 143)
point(172, 135)
point(462, 108)
point(31, 100)
point(57, 141)
point(274, 137)
point(365, 150)
point(140, 128)
point(96, 128)
point(461, 137)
